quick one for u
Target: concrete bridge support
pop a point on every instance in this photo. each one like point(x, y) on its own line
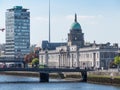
point(84, 76)
point(44, 77)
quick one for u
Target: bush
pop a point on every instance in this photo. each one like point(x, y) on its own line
point(35, 62)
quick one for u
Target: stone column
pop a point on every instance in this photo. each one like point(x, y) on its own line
point(77, 57)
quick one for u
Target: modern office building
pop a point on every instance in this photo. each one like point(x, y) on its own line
point(17, 32)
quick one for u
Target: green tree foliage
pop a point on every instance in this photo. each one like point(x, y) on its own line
point(28, 58)
point(117, 60)
point(35, 62)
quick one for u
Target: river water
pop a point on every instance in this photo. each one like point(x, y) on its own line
point(29, 83)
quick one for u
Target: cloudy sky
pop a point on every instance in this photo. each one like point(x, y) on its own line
point(99, 19)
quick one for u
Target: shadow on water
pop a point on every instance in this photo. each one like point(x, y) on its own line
point(4, 79)
point(36, 82)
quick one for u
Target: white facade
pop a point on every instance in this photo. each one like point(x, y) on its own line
point(86, 57)
point(97, 56)
point(59, 57)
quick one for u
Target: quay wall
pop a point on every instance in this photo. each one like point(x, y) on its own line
point(104, 77)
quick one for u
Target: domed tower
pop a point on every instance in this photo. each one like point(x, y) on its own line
point(76, 37)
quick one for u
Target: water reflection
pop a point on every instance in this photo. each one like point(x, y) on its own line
point(28, 83)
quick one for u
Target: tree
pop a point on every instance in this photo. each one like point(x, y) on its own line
point(117, 61)
point(28, 58)
point(35, 62)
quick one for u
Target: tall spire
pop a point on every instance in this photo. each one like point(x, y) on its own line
point(75, 17)
point(49, 21)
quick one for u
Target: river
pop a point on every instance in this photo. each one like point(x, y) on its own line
point(29, 83)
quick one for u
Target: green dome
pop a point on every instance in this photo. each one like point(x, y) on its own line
point(76, 26)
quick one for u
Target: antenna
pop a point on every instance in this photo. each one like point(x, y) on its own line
point(49, 22)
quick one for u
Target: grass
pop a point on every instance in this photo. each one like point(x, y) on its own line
point(103, 76)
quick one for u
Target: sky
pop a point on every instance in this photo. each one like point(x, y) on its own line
point(99, 19)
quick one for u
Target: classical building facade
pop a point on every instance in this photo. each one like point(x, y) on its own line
point(97, 55)
point(63, 56)
point(78, 54)
point(17, 32)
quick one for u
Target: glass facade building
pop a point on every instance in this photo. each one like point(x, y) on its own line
point(17, 32)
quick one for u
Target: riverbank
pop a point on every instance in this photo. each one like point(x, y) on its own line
point(104, 77)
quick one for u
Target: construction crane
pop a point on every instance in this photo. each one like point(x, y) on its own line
point(2, 29)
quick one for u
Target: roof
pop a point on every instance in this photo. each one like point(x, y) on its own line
point(75, 26)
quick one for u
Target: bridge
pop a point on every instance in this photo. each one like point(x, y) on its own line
point(44, 72)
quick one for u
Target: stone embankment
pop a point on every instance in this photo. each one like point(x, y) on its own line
point(104, 77)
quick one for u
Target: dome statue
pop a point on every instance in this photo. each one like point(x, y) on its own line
point(75, 25)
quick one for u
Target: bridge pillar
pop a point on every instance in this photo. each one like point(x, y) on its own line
point(84, 76)
point(44, 77)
